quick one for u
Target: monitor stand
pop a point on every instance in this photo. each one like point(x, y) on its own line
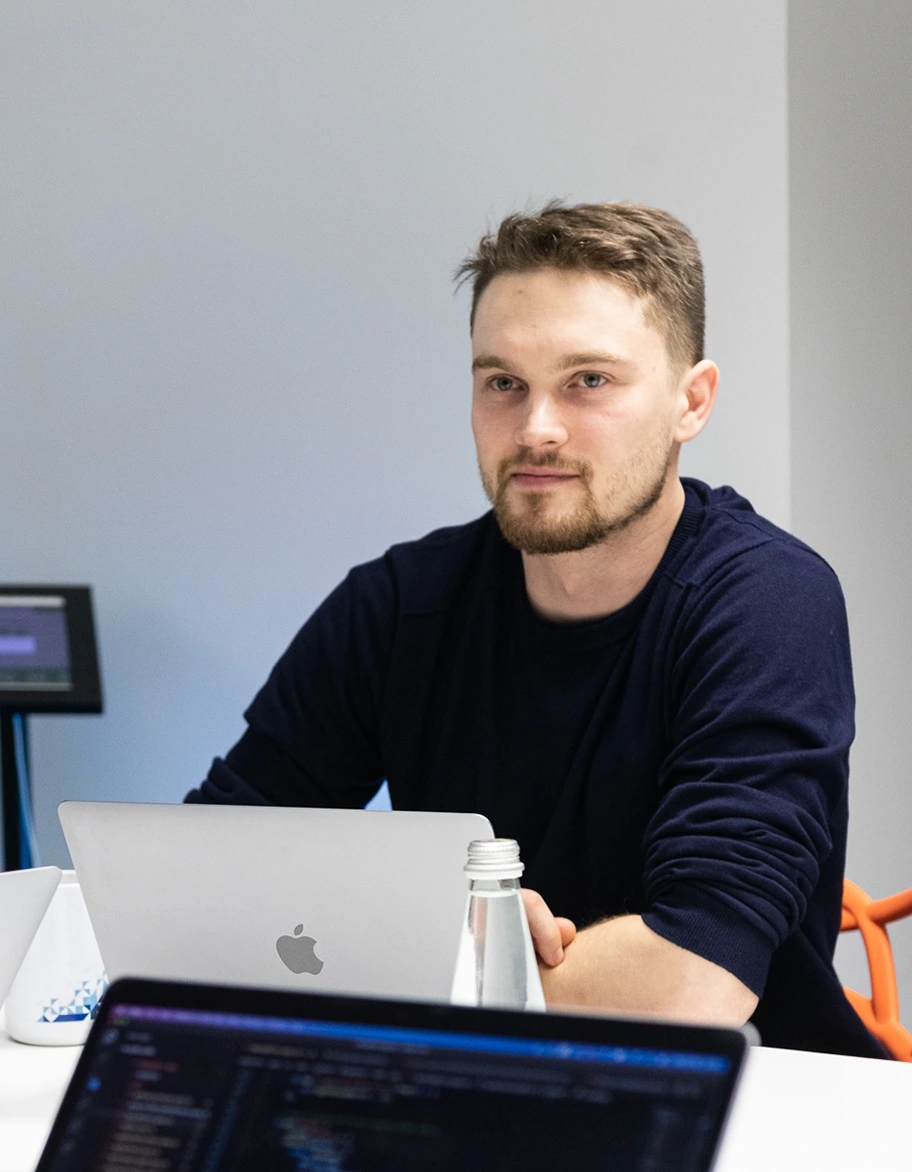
point(18, 851)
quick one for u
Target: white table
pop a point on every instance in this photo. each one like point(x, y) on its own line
point(32, 1082)
point(795, 1112)
point(802, 1112)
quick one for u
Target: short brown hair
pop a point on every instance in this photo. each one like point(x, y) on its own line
point(646, 251)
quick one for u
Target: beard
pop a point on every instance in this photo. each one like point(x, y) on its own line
point(531, 523)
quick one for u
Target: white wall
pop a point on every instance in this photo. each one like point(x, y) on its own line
point(850, 90)
point(231, 360)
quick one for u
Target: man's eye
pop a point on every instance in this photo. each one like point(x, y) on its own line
point(592, 380)
point(503, 383)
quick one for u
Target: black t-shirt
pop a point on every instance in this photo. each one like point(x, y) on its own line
point(685, 758)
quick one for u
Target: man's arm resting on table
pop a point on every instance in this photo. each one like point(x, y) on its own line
point(622, 966)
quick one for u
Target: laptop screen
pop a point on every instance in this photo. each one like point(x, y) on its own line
point(188, 1087)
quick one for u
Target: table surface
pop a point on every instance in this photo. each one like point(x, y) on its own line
point(794, 1111)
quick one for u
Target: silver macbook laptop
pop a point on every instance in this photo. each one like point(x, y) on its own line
point(342, 901)
point(24, 898)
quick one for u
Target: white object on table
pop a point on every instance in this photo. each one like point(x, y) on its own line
point(794, 1111)
point(62, 979)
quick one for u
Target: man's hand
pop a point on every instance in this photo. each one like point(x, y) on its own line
point(550, 934)
point(622, 966)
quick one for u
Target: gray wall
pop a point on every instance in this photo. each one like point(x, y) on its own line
point(850, 100)
point(231, 360)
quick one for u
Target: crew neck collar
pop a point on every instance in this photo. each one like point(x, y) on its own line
point(616, 626)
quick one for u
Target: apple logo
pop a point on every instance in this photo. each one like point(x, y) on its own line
point(297, 952)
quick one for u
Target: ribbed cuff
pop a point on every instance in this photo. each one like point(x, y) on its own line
point(694, 919)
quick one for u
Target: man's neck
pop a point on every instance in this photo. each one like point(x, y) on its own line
point(595, 582)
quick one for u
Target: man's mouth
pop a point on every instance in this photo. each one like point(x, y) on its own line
point(540, 477)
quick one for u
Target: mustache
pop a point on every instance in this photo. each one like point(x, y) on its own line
point(581, 468)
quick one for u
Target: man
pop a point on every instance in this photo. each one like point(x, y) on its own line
point(640, 679)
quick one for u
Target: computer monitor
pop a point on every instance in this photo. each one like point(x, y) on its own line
point(48, 655)
point(48, 664)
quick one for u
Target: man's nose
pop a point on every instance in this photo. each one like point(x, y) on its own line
point(541, 425)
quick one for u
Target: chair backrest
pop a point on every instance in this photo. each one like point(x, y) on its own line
point(880, 1011)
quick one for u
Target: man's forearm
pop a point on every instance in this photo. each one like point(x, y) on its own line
point(622, 966)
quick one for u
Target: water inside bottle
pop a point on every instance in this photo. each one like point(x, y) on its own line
point(497, 965)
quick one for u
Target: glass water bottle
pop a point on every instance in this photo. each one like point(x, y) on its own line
point(496, 964)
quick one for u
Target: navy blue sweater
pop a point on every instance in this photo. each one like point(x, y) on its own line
point(685, 758)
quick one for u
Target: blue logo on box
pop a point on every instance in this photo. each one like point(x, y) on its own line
point(82, 1005)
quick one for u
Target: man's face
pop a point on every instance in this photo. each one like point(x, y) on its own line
point(574, 408)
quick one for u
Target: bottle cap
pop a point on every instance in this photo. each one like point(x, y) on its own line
point(494, 858)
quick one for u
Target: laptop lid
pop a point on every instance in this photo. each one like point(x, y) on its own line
point(24, 898)
point(344, 901)
point(212, 1079)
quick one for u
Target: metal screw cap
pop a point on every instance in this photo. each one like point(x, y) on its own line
point(494, 858)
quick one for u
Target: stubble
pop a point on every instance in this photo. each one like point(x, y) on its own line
point(530, 522)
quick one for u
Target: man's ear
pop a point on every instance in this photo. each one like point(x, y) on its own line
point(697, 394)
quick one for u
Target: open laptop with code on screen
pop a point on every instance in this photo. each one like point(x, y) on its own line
point(216, 1079)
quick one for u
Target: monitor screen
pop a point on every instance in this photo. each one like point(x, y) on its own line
point(34, 645)
point(170, 1087)
point(48, 654)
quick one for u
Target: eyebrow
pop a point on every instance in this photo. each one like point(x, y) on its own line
point(488, 362)
point(492, 362)
point(592, 357)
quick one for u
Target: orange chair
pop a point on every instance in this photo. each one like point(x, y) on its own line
point(880, 1011)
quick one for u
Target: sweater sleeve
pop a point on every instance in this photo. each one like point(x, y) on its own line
point(312, 736)
point(761, 723)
